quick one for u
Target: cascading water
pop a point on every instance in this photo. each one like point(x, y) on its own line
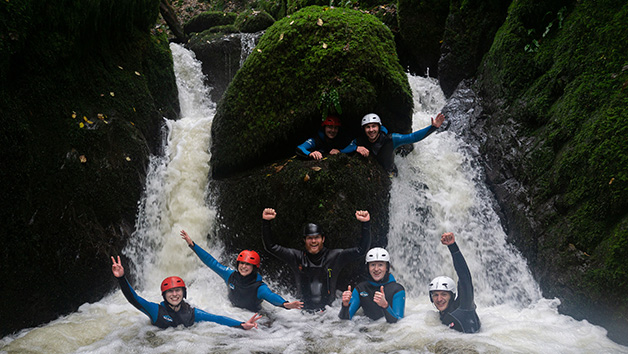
point(438, 189)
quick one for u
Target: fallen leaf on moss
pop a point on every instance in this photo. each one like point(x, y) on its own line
point(83, 159)
point(319, 22)
point(138, 74)
point(128, 158)
point(73, 114)
point(279, 168)
point(259, 50)
point(112, 94)
point(316, 168)
point(133, 124)
point(306, 178)
point(121, 68)
point(87, 120)
point(291, 22)
point(611, 181)
point(81, 125)
point(324, 45)
point(281, 36)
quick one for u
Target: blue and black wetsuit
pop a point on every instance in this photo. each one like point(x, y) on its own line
point(383, 148)
point(316, 274)
point(320, 142)
point(244, 292)
point(362, 296)
point(163, 316)
point(460, 314)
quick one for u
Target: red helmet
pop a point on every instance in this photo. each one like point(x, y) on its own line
point(171, 283)
point(331, 120)
point(249, 256)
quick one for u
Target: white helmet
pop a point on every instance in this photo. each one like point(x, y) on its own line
point(377, 254)
point(371, 118)
point(443, 283)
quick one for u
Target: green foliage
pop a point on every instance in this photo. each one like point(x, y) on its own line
point(329, 103)
point(534, 46)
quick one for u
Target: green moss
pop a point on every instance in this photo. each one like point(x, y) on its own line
point(273, 100)
point(209, 19)
point(569, 95)
point(252, 21)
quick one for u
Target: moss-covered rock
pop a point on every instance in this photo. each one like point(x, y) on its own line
point(252, 21)
point(326, 192)
point(207, 20)
point(555, 80)
point(82, 110)
point(272, 104)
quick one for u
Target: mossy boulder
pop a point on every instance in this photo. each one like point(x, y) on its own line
point(272, 104)
point(554, 83)
point(207, 20)
point(252, 21)
point(82, 106)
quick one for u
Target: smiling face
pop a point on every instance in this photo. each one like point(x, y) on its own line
point(372, 131)
point(314, 243)
point(174, 296)
point(331, 131)
point(441, 299)
point(245, 268)
point(377, 270)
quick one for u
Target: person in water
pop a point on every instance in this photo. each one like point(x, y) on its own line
point(377, 141)
point(317, 268)
point(245, 285)
point(326, 142)
point(379, 295)
point(456, 306)
point(173, 311)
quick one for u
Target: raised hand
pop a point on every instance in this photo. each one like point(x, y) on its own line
point(293, 305)
point(362, 215)
point(252, 322)
point(380, 298)
point(447, 238)
point(186, 237)
point(440, 118)
point(116, 268)
point(346, 296)
point(269, 214)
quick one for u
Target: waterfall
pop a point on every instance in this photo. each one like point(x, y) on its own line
point(439, 189)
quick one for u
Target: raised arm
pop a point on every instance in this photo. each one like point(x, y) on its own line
point(288, 255)
point(223, 271)
point(365, 241)
point(150, 309)
point(465, 284)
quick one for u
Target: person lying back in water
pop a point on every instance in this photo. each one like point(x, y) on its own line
point(455, 304)
point(173, 311)
point(245, 285)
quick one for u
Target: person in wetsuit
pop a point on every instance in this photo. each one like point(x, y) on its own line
point(380, 295)
point(327, 141)
point(317, 268)
point(377, 141)
point(245, 285)
point(455, 304)
point(173, 311)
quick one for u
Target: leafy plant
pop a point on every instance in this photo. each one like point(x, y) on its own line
point(329, 102)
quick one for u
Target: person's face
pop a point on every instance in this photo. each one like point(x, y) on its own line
point(441, 299)
point(314, 243)
point(331, 131)
point(377, 270)
point(372, 131)
point(245, 268)
point(174, 296)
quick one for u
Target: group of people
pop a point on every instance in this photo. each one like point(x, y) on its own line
point(375, 140)
point(316, 270)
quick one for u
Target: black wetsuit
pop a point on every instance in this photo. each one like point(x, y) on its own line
point(460, 314)
point(321, 143)
point(362, 296)
point(316, 274)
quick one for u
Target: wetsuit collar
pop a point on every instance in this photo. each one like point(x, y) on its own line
point(388, 278)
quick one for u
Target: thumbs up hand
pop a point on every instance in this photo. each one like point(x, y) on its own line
point(380, 298)
point(346, 296)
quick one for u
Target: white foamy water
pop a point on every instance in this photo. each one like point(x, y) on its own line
point(438, 189)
